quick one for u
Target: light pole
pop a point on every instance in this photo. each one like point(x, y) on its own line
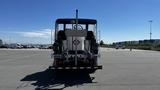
point(150, 22)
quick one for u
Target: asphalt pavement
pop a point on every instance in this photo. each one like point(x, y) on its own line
point(123, 69)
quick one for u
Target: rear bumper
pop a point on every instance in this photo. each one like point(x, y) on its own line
point(75, 68)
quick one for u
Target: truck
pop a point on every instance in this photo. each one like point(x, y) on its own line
point(75, 46)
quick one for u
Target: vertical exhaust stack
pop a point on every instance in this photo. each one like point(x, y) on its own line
point(76, 38)
point(76, 19)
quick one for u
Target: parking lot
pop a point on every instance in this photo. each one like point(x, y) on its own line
point(22, 69)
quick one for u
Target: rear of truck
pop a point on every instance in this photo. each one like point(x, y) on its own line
point(76, 45)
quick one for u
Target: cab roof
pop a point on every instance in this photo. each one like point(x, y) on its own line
point(80, 21)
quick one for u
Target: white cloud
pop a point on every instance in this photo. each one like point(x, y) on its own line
point(45, 33)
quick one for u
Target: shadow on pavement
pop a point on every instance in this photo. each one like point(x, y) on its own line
point(49, 80)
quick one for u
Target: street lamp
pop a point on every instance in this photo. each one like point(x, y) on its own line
point(150, 22)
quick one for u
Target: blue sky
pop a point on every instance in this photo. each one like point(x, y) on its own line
point(30, 21)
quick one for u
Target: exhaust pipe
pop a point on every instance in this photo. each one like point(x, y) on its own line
point(76, 38)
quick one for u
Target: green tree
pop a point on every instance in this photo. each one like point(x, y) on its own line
point(1, 43)
point(101, 43)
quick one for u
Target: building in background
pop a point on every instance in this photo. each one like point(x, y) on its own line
point(146, 41)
